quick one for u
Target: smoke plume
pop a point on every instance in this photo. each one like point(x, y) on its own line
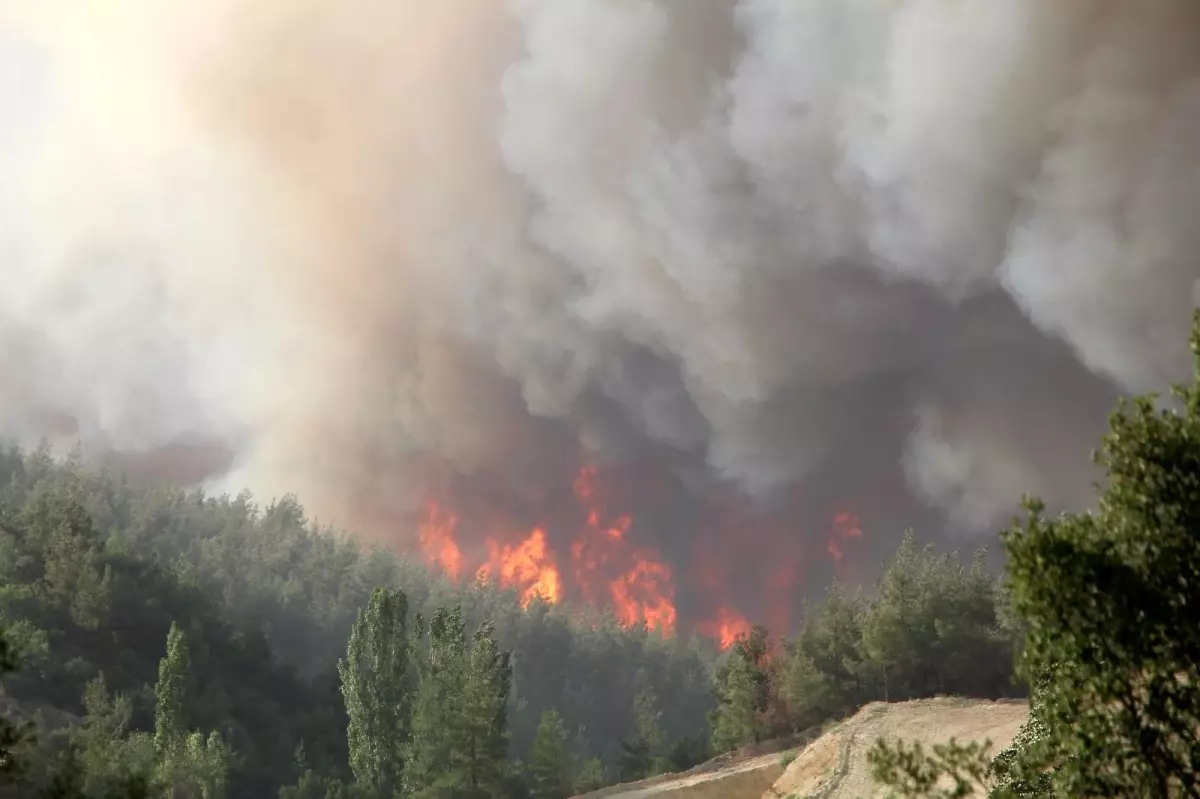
point(759, 262)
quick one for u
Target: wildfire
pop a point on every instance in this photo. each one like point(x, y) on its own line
point(845, 526)
point(436, 536)
point(639, 585)
point(603, 567)
point(528, 566)
point(606, 568)
point(726, 628)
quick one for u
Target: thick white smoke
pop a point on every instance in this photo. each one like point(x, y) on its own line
point(355, 249)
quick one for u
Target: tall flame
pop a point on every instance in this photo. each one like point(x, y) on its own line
point(436, 536)
point(639, 586)
point(726, 628)
point(607, 569)
point(527, 566)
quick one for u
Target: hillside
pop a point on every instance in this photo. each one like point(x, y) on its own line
point(834, 766)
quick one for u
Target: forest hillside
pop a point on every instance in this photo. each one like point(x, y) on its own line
point(97, 570)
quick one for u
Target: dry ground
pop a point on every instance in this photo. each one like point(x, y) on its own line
point(834, 766)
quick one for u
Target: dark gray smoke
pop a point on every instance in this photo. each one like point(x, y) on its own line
point(898, 257)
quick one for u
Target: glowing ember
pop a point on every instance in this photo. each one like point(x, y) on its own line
point(528, 566)
point(436, 536)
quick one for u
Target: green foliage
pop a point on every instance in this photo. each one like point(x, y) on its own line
point(550, 759)
point(592, 776)
point(935, 628)
point(110, 753)
point(459, 734)
point(190, 765)
point(170, 694)
point(94, 569)
point(824, 675)
point(11, 735)
point(1109, 599)
point(1015, 771)
point(376, 687)
point(269, 602)
point(911, 773)
point(644, 755)
point(744, 687)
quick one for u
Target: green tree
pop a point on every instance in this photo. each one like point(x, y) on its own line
point(190, 766)
point(823, 675)
point(170, 694)
point(1107, 599)
point(592, 776)
point(645, 754)
point(459, 725)
point(11, 735)
point(110, 752)
point(376, 687)
point(485, 713)
point(898, 635)
point(550, 759)
point(434, 755)
point(743, 689)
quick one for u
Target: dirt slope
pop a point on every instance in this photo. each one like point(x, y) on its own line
point(835, 765)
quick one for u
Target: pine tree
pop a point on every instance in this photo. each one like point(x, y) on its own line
point(109, 752)
point(485, 715)
point(376, 687)
point(434, 755)
point(897, 638)
point(460, 715)
point(743, 690)
point(550, 759)
point(644, 755)
point(592, 776)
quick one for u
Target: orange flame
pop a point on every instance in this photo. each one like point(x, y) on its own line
point(845, 526)
point(606, 568)
point(528, 566)
point(638, 584)
point(436, 536)
point(727, 627)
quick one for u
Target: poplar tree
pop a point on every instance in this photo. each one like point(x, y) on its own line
point(170, 694)
point(376, 687)
point(190, 766)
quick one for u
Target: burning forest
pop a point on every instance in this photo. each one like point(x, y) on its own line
point(678, 309)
